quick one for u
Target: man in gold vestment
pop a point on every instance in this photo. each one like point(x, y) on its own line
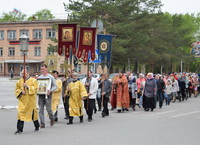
point(56, 95)
point(77, 92)
point(26, 95)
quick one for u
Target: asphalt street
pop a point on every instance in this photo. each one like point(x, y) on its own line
point(176, 124)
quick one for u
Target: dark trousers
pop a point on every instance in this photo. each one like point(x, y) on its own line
point(66, 105)
point(182, 94)
point(160, 98)
point(56, 115)
point(20, 124)
point(105, 106)
point(89, 107)
point(132, 100)
point(99, 102)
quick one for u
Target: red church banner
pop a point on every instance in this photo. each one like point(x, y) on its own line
point(87, 43)
point(67, 39)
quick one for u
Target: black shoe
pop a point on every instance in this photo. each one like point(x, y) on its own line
point(89, 119)
point(99, 110)
point(126, 109)
point(151, 109)
point(56, 119)
point(36, 129)
point(103, 114)
point(66, 117)
point(95, 110)
point(69, 123)
point(81, 119)
point(119, 111)
point(133, 108)
point(17, 132)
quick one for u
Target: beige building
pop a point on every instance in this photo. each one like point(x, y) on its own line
point(40, 34)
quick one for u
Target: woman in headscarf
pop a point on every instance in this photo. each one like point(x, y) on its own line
point(149, 93)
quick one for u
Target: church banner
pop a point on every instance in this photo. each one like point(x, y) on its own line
point(195, 51)
point(67, 39)
point(104, 45)
point(87, 43)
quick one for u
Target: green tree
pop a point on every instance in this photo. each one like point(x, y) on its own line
point(143, 33)
point(12, 16)
point(44, 14)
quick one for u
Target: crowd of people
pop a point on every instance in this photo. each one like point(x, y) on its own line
point(124, 91)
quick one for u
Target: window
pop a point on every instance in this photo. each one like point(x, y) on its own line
point(78, 68)
point(11, 51)
point(37, 34)
point(51, 33)
point(11, 34)
point(1, 67)
point(37, 51)
point(1, 51)
point(22, 68)
point(37, 68)
point(26, 32)
point(1, 34)
point(11, 67)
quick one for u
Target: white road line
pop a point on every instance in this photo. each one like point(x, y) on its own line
point(185, 114)
point(161, 113)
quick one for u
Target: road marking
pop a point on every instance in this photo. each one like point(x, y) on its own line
point(185, 114)
point(161, 113)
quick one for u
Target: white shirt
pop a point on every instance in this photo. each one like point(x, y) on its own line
point(93, 87)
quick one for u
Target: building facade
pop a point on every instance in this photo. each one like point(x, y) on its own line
point(40, 34)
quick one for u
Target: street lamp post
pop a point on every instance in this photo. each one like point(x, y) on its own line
point(24, 42)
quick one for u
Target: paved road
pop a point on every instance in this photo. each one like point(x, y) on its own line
point(177, 124)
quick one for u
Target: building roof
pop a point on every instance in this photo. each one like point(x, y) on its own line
point(22, 61)
point(57, 21)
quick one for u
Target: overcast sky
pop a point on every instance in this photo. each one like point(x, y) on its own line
point(30, 7)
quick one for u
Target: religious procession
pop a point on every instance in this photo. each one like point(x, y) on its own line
point(124, 92)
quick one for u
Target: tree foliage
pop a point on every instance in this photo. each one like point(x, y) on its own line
point(43, 14)
point(12, 16)
point(144, 34)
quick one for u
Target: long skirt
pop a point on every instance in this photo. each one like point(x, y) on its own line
point(149, 102)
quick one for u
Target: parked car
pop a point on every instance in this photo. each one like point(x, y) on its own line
point(97, 76)
point(81, 76)
point(111, 76)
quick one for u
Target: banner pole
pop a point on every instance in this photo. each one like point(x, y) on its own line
point(89, 89)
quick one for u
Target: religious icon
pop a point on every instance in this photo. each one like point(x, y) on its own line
point(67, 34)
point(51, 62)
point(104, 46)
point(196, 50)
point(44, 85)
point(87, 38)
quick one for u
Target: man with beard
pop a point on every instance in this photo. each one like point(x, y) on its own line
point(122, 94)
point(76, 92)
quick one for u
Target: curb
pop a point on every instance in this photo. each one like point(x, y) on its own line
point(15, 107)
